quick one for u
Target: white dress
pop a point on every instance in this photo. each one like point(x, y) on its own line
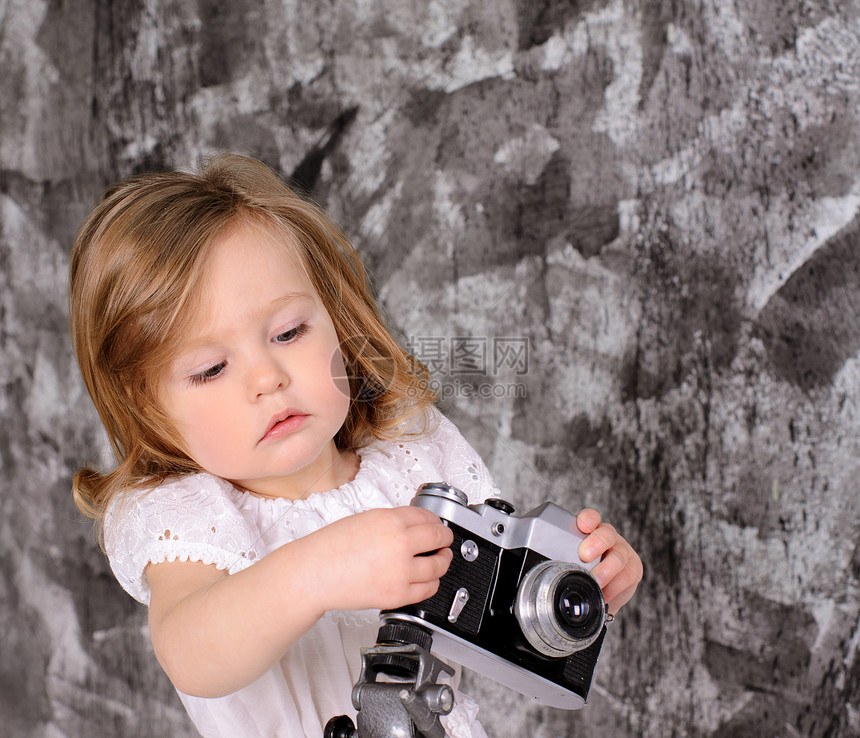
point(204, 518)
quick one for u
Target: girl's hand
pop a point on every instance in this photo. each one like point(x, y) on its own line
point(620, 569)
point(378, 559)
point(215, 633)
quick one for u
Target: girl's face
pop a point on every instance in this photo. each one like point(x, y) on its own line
point(258, 388)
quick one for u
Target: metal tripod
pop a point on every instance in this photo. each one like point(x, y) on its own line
point(400, 709)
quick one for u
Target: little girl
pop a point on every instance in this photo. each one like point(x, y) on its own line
point(269, 434)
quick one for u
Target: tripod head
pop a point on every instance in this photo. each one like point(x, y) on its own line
point(410, 703)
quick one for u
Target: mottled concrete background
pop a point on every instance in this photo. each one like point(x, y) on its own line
point(624, 235)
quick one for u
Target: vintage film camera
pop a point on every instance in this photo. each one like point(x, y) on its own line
point(517, 603)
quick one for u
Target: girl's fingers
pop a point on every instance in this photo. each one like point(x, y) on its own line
point(430, 537)
point(617, 602)
point(421, 591)
point(611, 564)
point(425, 530)
point(411, 515)
point(618, 575)
point(598, 542)
point(587, 520)
point(431, 568)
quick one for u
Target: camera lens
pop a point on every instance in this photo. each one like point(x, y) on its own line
point(559, 608)
point(579, 604)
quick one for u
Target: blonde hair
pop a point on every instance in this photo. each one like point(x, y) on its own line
point(135, 265)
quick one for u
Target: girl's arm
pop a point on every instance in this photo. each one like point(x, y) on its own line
point(215, 633)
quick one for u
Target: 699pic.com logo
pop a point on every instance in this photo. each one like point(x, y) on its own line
point(459, 367)
point(363, 380)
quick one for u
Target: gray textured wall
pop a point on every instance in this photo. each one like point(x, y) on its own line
point(659, 199)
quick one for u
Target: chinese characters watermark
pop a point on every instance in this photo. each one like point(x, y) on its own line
point(473, 366)
point(475, 355)
point(467, 367)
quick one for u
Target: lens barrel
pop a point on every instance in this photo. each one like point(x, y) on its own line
point(560, 608)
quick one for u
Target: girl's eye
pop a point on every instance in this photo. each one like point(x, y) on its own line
point(292, 334)
point(207, 375)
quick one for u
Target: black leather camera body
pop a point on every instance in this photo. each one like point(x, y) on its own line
point(517, 604)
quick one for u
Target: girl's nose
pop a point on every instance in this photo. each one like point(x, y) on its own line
point(266, 376)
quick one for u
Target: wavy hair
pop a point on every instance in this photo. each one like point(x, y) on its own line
point(136, 267)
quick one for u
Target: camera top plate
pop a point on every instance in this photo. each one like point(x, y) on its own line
point(548, 529)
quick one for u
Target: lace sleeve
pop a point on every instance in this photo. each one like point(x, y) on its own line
point(193, 518)
point(459, 463)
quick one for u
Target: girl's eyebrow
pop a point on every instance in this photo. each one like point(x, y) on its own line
point(290, 298)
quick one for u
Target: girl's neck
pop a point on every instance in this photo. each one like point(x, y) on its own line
point(331, 471)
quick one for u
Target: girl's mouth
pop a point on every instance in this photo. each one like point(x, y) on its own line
point(284, 423)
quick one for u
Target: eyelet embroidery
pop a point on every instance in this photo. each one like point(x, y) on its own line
point(208, 512)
